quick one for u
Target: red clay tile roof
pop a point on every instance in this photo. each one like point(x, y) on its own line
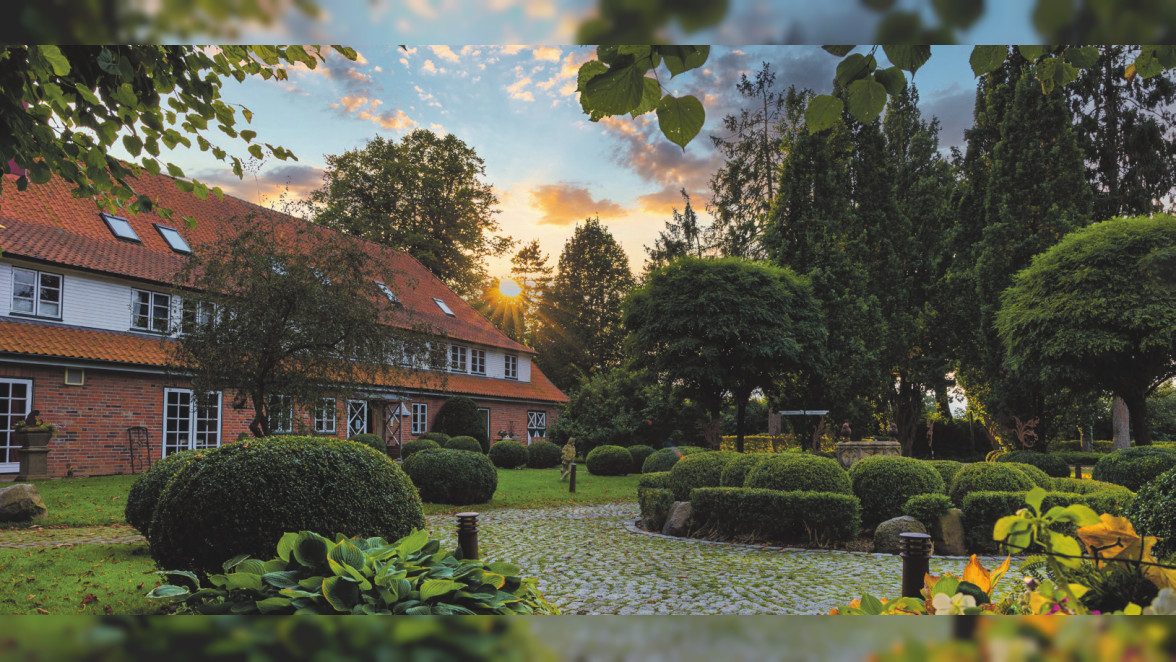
point(46, 223)
point(59, 342)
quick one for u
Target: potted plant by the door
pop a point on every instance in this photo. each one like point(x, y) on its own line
point(33, 435)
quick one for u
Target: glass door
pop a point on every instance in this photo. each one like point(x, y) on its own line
point(16, 401)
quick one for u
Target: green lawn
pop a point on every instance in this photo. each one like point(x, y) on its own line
point(57, 580)
point(541, 488)
point(83, 501)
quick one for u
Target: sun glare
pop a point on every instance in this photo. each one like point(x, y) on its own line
point(508, 287)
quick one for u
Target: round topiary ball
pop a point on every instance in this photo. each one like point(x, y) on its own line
point(1052, 465)
point(609, 461)
point(884, 483)
point(416, 446)
point(1133, 467)
point(1039, 477)
point(664, 459)
point(144, 493)
point(928, 508)
point(789, 472)
point(987, 477)
point(947, 469)
point(459, 417)
point(371, 441)
point(698, 470)
point(543, 455)
point(439, 437)
point(639, 453)
point(735, 473)
point(454, 477)
point(1153, 512)
point(240, 499)
point(508, 454)
point(464, 444)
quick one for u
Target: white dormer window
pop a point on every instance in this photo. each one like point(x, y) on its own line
point(444, 308)
point(512, 366)
point(150, 311)
point(457, 358)
point(387, 292)
point(478, 361)
point(36, 293)
point(173, 239)
point(120, 228)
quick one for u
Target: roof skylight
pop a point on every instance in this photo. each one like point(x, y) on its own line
point(443, 307)
point(173, 239)
point(387, 292)
point(120, 228)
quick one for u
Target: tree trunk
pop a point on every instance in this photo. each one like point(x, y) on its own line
point(740, 414)
point(710, 431)
point(1120, 420)
point(259, 426)
point(942, 402)
point(908, 406)
point(774, 419)
point(1137, 405)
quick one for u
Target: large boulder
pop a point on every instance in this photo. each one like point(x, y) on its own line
point(21, 503)
point(886, 538)
point(678, 523)
point(947, 535)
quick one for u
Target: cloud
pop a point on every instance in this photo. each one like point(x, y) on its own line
point(547, 53)
point(517, 90)
point(953, 106)
point(641, 147)
point(429, 67)
point(421, 8)
point(512, 49)
point(295, 179)
point(351, 103)
point(445, 53)
point(565, 204)
point(568, 71)
point(665, 201)
point(389, 120)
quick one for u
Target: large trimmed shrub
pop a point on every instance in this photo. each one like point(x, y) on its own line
point(459, 417)
point(1039, 477)
point(543, 455)
point(735, 473)
point(664, 459)
point(769, 515)
point(698, 470)
point(1133, 467)
point(639, 453)
point(884, 483)
point(1080, 458)
point(417, 445)
point(372, 441)
point(983, 509)
point(655, 504)
point(451, 476)
point(144, 493)
point(439, 437)
point(928, 508)
point(1050, 463)
point(464, 444)
point(800, 472)
point(947, 469)
point(609, 461)
point(1154, 512)
point(508, 454)
point(987, 477)
point(242, 497)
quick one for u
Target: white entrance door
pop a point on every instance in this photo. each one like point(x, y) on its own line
point(16, 401)
point(188, 424)
point(357, 417)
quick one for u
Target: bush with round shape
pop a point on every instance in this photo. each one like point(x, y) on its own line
point(664, 459)
point(1154, 512)
point(1051, 464)
point(609, 461)
point(947, 469)
point(806, 472)
point(1134, 467)
point(145, 492)
point(1039, 477)
point(698, 470)
point(240, 499)
point(459, 417)
point(508, 454)
point(464, 444)
point(639, 453)
point(928, 508)
point(543, 455)
point(439, 437)
point(884, 483)
point(454, 477)
point(987, 477)
point(372, 441)
point(416, 446)
point(735, 473)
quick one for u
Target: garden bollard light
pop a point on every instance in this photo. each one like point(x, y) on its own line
point(1078, 471)
point(572, 483)
point(916, 557)
point(467, 535)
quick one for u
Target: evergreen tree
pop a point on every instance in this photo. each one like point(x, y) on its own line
point(682, 237)
point(530, 270)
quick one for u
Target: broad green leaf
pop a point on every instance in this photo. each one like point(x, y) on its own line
point(839, 50)
point(503, 568)
point(907, 57)
point(823, 112)
point(892, 78)
point(1132, 609)
point(310, 549)
point(231, 563)
point(680, 118)
point(273, 605)
point(650, 97)
point(1004, 527)
point(1065, 545)
point(1166, 56)
point(683, 58)
point(346, 553)
point(854, 67)
point(180, 573)
point(986, 59)
point(433, 588)
point(871, 605)
point(252, 566)
point(1082, 515)
point(55, 58)
point(341, 592)
point(867, 98)
point(1031, 53)
point(946, 585)
point(167, 592)
point(1051, 16)
point(240, 580)
point(412, 543)
point(132, 144)
point(642, 55)
point(616, 91)
point(1034, 497)
point(281, 579)
point(286, 545)
point(1083, 57)
point(958, 13)
point(1147, 64)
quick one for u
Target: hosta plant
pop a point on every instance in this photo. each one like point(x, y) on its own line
point(312, 575)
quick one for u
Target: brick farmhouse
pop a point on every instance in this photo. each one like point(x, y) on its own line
point(86, 301)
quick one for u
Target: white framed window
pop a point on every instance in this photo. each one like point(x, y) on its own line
point(150, 311)
point(458, 356)
point(281, 414)
point(512, 366)
point(444, 308)
point(420, 417)
point(173, 238)
point(189, 422)
point(357, 417)
point(16, 401)
point(36, 293)
point(478, 361)
point(120, 228)
point(324, 416)
point(484, 412)
point(196, 314)
point(536, 425)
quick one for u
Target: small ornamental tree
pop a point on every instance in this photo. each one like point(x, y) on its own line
point(459, 417)
point(723, 326)
point(1097, 312)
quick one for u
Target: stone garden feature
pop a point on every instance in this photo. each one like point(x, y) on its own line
point(21, 503)
point(849, 452)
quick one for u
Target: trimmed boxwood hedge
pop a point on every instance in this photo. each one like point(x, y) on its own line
point(928, 508)
point(1039, 477)
point(508, 454)
point(459, 417)
point(1133, 467)
point(947, 469)
point(983, 509)
point(1154, 512)
point(657, 479)
point(543, 455)
point(1050, 463)
point(800, 472)
point(884, 483)
point(242, 497)
point(1079, 458)
point(372, 441)
point(664, 459)
point(735, 473)
point(987, 477)
point(451, 476)
point(144, 493)
point(639, 453)
point(463, 444)
point(770, 515)
point(698, 470)
point(439, 437)
point(609, 461)
point(655, 504)
point(417, 445)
